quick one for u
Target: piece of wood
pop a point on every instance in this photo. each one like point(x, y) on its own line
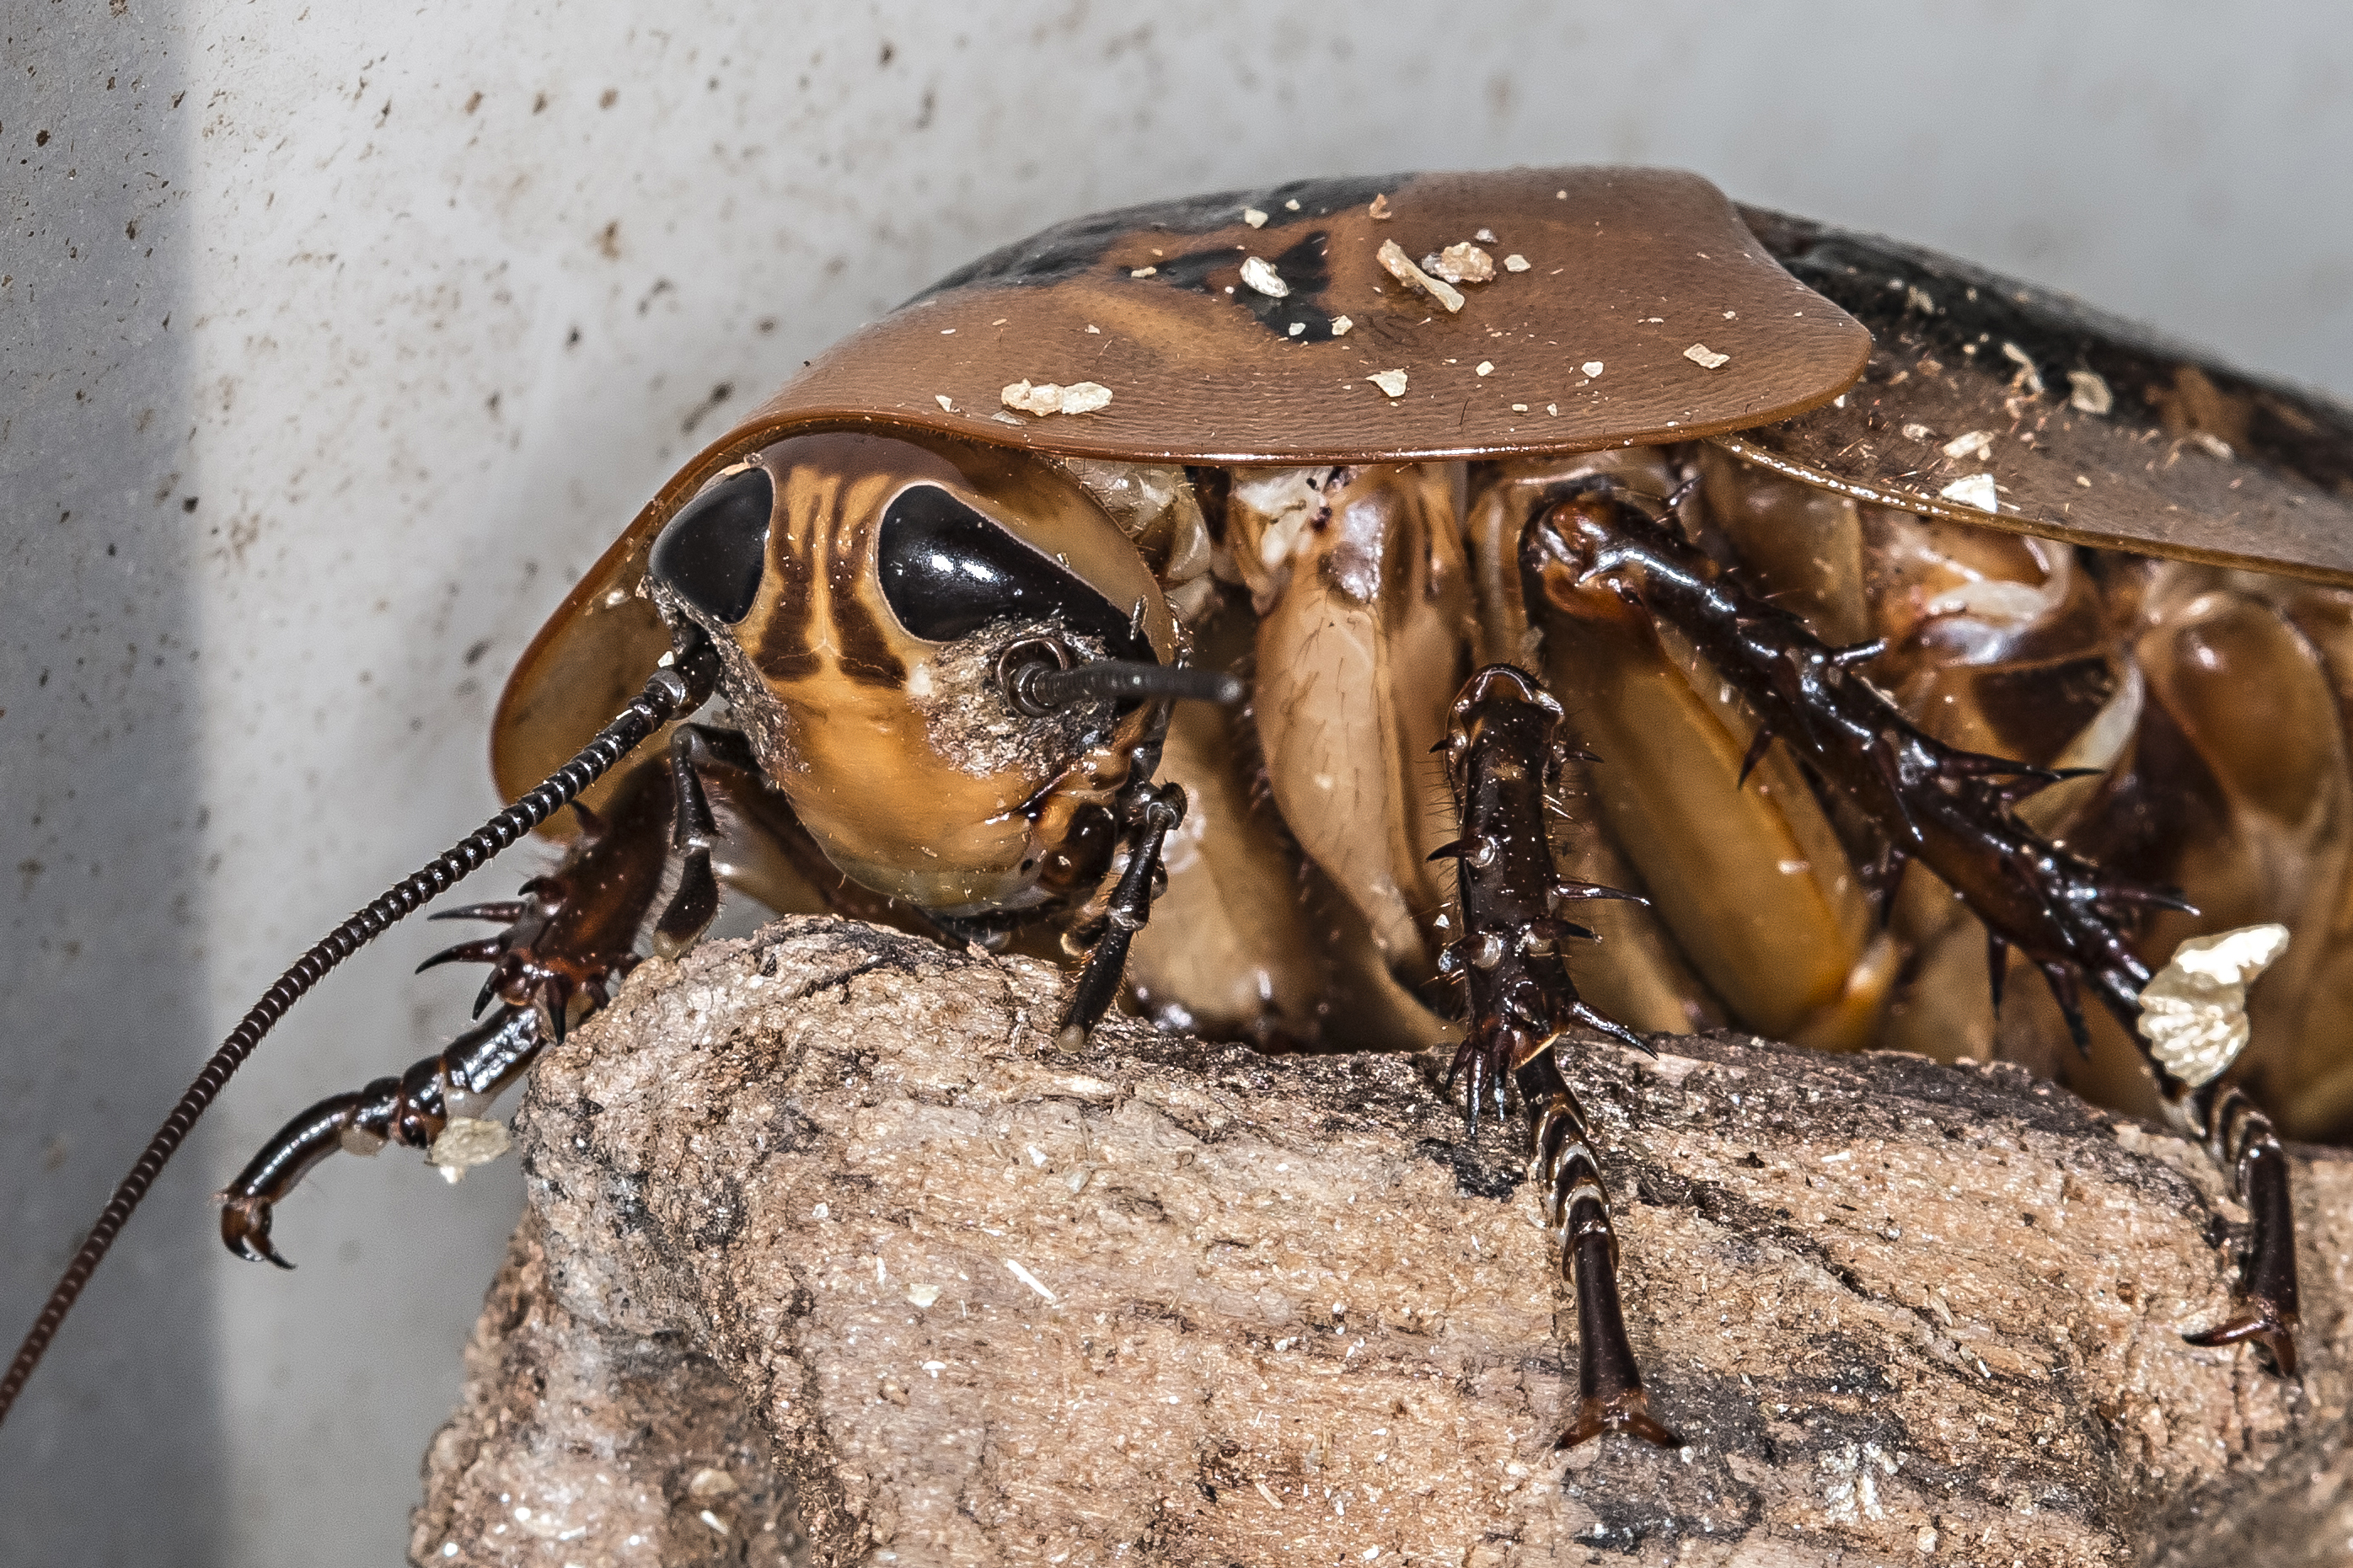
point(825, 1214)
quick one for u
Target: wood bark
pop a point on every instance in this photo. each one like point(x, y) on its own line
point(832, 1256)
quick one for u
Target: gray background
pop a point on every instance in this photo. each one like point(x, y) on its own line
point(332, 348)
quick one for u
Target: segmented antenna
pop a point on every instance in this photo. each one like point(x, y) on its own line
point(680, 688)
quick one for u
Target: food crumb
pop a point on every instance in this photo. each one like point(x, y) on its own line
point(1706, 358)
point(1553, 409)
point(1340, 325)
point(1516, 262)
point(1460, 263)
point(1292, 206)
point(1399, 266)
point(1380, 207)
point(1973, 489)
point(1390, 381)
point(1080, 397)
point(942, 399)
point(1977, 446)
point(1262, 277)
point(1295, 329)
point(923, 1295)
point(1095, 329)
point(1141, 271)
point(1485, 236)
point(1486, 367)
point(1918, 432)
point(1253, 218)
point(1591, 367)
point(1519, 408)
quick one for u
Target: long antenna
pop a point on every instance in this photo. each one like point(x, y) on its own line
point(680, 687)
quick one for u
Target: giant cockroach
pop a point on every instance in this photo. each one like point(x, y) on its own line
point(1846, 557)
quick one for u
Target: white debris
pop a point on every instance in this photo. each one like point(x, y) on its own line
point(1516, 262)
point(923, 1295)
point(714, 1520)
point(1519, 408)
point(1253, 218)
point(1295, 329)
point(1973, 489)
point(1340, 325)
point(1292, 206)
point(1462, 263)
point(1976, 446)
point(1399, 266)
point(709, 1482)
point(2032, 377)
point(1918, 432)
point(1706, 358)
point(1379, 210)
point(1141, 271)
point(466, 1143)
point(1486, 367)
point(1260, 274)
point(2213, 446)
point(1592, 368)
point(2194, 1013)
point(1390, 381)
point(1485, 236)
point(2087, 392)
point(1028, 1278)
point(942, 399)
point(1080, 397)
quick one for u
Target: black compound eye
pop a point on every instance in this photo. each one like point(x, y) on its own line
point(713, 553)
point(947, 571)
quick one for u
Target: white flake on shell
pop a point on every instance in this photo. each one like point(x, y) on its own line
point(1260, 274)
point(1972, 490)
point(1516, 262)
point(2194, 1013)
point(465, 1142)
point(1391, 382)
point(1460, 263)
point(1080, 397)
point(1399, 266)
point(1706, 358)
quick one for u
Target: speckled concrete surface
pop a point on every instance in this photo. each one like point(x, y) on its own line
point(1175, 1302)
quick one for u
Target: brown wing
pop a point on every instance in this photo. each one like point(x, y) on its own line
point(1625, 268)
point(2188, 459)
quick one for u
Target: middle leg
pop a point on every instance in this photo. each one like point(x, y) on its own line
point(1501, 748)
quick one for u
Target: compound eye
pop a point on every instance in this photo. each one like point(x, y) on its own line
point(947, 571)
point(713, 553)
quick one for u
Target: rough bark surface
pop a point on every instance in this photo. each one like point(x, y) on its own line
point(825, 1216)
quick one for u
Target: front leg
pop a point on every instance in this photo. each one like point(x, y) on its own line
point(1502, 748)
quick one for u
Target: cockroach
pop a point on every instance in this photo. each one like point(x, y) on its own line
point(1815, 617)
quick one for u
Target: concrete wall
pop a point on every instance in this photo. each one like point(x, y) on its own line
point(335, 341)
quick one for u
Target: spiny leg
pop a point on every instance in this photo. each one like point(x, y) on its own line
point(1156, 811)
point(411, 1110)
point(1502, 750)
point(1950, 809)
point(571, 933)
